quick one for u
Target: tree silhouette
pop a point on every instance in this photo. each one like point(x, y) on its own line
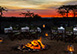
point(66, 8)
point(62, 12)
point(1, 11)
point(74, 9)
point(28, 14)
point(37, 16)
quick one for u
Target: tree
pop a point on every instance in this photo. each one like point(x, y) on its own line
point(28, 14)
point(66, 8)
point(31, 15)
point(1, 11)
point(74, 9)
point(62, 12)
point(37, 16)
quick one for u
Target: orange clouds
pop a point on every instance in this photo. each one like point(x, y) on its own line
point(45, 8)
point(44, 13)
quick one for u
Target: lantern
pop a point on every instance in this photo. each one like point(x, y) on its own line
point(1, 40)
point(43, 25)
point(46, 34)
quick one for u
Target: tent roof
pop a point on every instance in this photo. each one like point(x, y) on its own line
point(75, 29)
point(25, 27)
point(61, 28)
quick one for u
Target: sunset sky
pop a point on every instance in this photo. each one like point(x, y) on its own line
point(44, 8)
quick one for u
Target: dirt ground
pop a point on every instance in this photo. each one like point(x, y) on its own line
point(55, 47)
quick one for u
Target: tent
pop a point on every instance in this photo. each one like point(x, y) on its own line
point(61, 28)
point(75, 29)
point(38, 29)
point(7, 30)
point(25, 29)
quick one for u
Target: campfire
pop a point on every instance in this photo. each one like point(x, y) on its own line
point(70, 48)
point(34, 45)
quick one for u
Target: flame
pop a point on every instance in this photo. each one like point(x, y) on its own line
point(43, 26)
point(46, 34)
point(35, 44)
point(70, 48)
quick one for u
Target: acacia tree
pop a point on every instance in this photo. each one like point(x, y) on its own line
point(1, 11)
point(28, 14)
point(66, 8)
point(62, 12)
point(74, 9)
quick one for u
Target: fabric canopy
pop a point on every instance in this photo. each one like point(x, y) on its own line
point(61, 28)
point(75, 29)
point(25, 28)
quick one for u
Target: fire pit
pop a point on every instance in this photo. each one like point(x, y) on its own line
point(70, 49)
point(35, 45)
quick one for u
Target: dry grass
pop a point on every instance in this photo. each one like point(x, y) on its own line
point(55, 47)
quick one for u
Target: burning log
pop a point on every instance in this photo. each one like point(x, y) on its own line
point(34, 45)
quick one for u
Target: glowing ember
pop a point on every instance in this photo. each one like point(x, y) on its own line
point(35, 44)
point(70, 48)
